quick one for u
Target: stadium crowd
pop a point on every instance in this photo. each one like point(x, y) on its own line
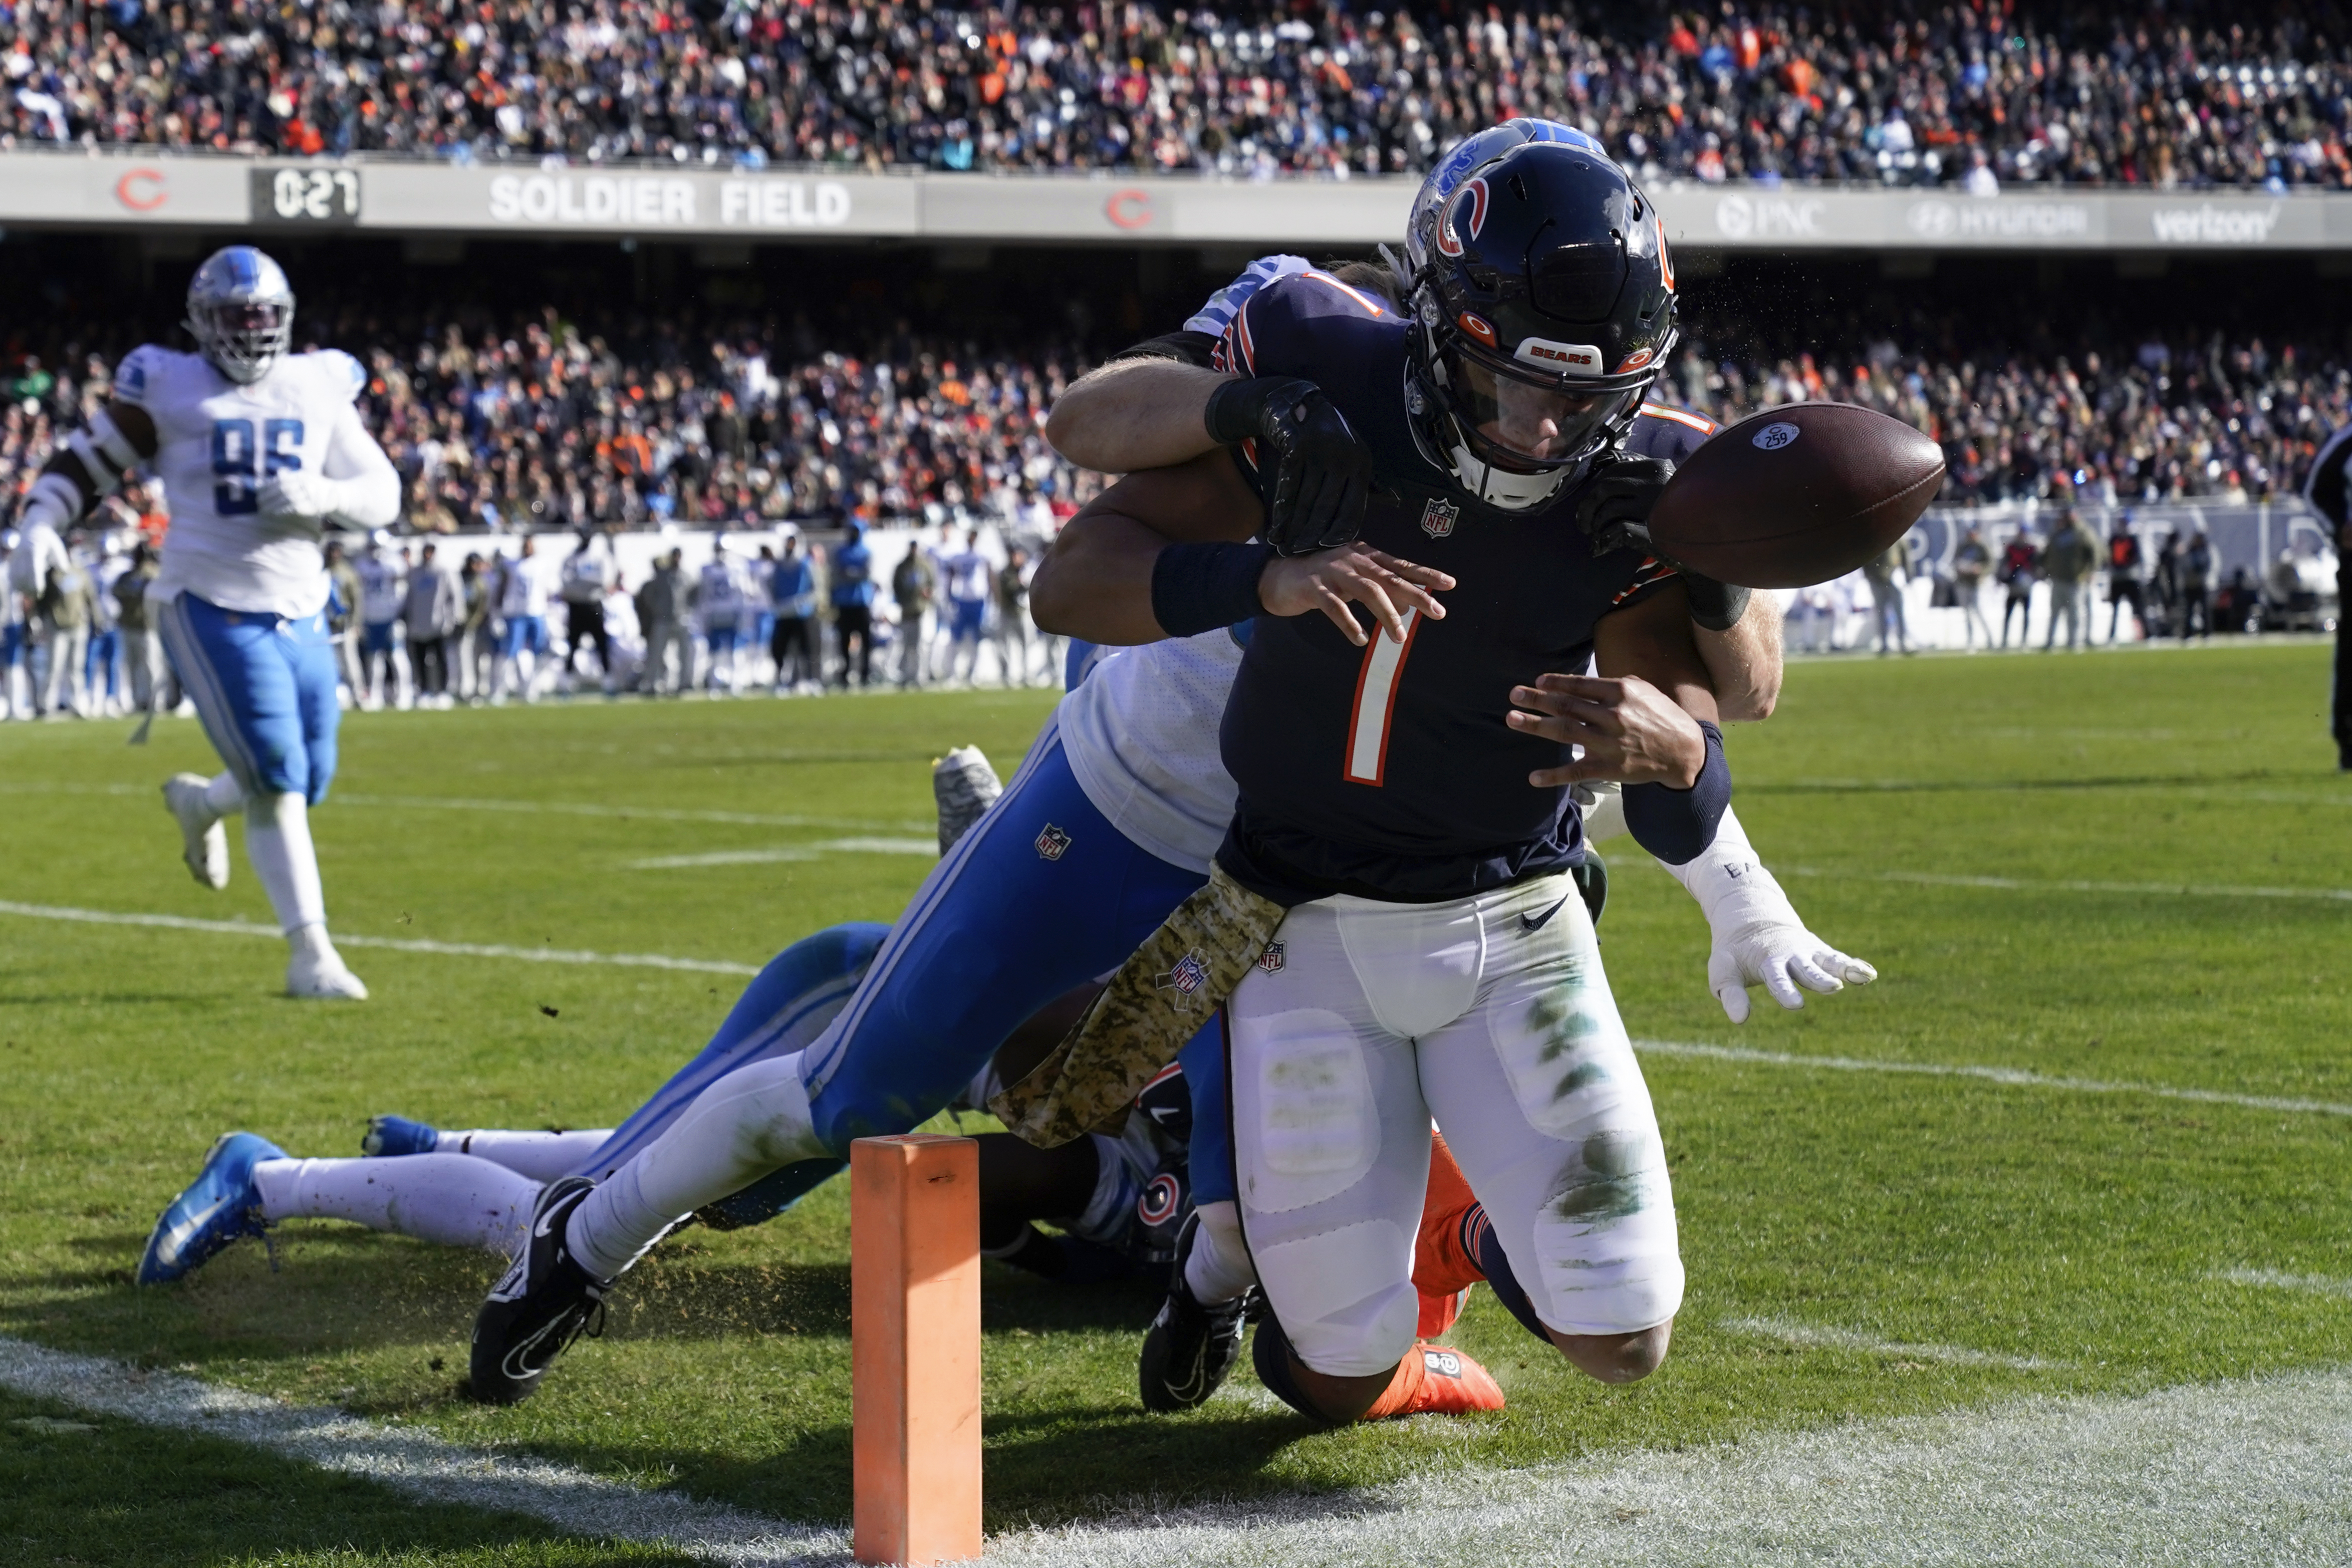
point(2188, 92)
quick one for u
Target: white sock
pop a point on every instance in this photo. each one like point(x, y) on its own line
point(1219, 1267)
point(542, 1156)
point(754, 1120)
point(224, 795)
point(278, 842)
point(445, 1198)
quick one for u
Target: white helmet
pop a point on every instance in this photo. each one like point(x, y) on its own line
point(241, 312)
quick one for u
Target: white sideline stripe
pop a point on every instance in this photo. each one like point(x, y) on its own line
point(2017, 1077)
point(2317, 1284)
point(390, 944)
point(927, 847)
point(415, 1461)
point(633, 813)
point(2239, 1472)
point(1789, 1331)
point(2061, 884)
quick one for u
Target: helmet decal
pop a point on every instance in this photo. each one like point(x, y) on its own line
point(1478, 327)
point(1560, 359)
point(1634, 362)
point(1666, 259)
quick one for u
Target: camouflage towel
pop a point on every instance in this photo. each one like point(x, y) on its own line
point(1157, 1001)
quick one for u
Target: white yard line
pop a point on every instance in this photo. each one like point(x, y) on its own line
point(1789, 1331)
point(2015, 1077)
point(628, 813)
point(2241, 1472)
point(414, 1461)
point(2272, 1278)
point(391, 944)
point(2215, 1474)
point(927, 847)
point(2065, 885)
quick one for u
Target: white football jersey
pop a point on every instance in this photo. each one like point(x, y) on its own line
point(218, 443)
point(1141, 732)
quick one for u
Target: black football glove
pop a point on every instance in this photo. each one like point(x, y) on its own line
point(1322, 474)
point(1614, 512)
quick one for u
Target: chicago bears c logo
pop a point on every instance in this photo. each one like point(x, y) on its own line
point(1160, 1200)
point(1468, 212)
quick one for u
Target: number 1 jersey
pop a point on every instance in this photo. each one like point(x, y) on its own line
point(1388, 772)
point(218, 443)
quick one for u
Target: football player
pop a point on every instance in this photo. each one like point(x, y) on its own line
point(1110, 822)
point(1404, 791)
point(258, 450)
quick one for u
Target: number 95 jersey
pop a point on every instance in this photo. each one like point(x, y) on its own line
point(218, 443)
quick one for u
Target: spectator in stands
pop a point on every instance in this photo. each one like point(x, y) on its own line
point(791, 588)
point(1888, 571)
point(970, 585)
point(2197, 586)
point(2068, 561)
point(2123, 584)
point(1971, 562)
point(853, 606)
point(915, 587)
point(2020, 562)
point(435, 607)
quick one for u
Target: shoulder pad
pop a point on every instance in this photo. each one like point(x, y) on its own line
point(1661, 430)
point(135, 379)
point(1268, 329)
point(341, 372)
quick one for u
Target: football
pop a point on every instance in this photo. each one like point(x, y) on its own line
point(1796, 495)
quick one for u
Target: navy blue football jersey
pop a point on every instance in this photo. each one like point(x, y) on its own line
point(1389, 770)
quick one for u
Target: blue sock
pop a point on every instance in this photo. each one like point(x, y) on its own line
point(1479, 1240)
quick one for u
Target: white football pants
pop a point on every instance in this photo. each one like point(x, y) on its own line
point(1493, 1014)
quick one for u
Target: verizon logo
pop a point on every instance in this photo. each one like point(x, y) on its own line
point(2210, 225)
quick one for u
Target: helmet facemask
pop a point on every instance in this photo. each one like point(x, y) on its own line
point(241, 313)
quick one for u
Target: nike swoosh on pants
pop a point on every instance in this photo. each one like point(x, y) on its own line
point(1537, 923)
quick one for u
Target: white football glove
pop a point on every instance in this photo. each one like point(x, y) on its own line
point(1760, 938)
point(297, 494)
point(1780, 955)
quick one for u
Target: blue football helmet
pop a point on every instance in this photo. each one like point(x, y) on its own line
point(241, 312)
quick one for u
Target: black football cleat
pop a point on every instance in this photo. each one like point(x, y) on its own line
point(540, 1305)
point(1191, 1348)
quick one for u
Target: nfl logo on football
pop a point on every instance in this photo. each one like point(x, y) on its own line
point(1437, 518)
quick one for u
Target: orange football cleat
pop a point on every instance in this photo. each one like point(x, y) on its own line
point(1435, 1380)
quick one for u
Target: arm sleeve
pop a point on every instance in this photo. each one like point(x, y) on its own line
point(371, 495)
point(1678, 825)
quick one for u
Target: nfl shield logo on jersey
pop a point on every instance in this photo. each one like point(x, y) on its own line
point(1438, 517)
point(1186, 979)
point(1271, 959)
point(1052, 842)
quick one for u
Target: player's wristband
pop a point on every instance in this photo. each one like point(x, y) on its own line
point(1199, 587)
point(1678, 825)
point(1715, 605)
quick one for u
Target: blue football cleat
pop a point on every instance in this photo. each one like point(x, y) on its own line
point(398, 1135)
point(220, 1205)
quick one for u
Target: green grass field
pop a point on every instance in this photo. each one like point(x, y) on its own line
point(2076, 1239)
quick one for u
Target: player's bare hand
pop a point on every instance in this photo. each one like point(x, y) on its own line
point(1631, 732)
point(1332, 580)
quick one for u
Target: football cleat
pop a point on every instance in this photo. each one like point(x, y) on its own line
point(542, 1303)
point(965, 786)
point(389, 1135)
point(322, 976)
point(1451, 1384)
point(218, 1208)
point(206, 851)
point(1191, 1347)
point(1439, 1314)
